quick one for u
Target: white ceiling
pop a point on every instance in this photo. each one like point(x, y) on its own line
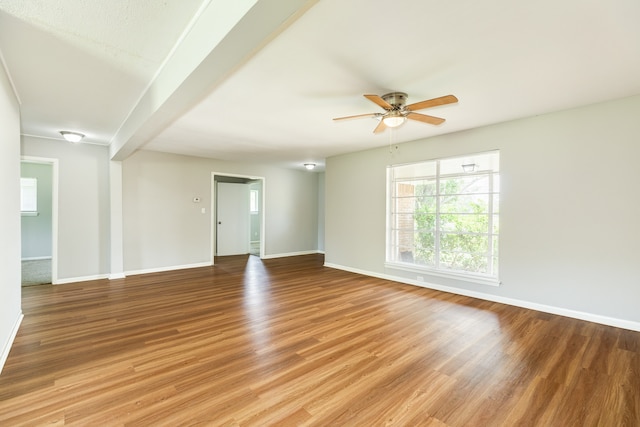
point(263, 81)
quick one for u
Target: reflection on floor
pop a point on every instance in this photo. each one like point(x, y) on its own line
point(36, 272)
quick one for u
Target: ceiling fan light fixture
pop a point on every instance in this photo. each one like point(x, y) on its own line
point(310, 166)
point(74, 137)
point(394, 119)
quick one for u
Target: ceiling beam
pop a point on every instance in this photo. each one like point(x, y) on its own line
point(223, 38)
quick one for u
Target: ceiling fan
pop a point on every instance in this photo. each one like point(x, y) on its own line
point(396, 112)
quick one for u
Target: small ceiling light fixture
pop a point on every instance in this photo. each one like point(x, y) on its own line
point(469, 167)
point(74, 137)
point(310, 166)
point(394, 119)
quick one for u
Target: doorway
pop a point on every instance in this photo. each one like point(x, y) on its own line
point(39, 211)
point(237, 215)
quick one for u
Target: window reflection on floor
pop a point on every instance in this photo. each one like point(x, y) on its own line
point(256, 292)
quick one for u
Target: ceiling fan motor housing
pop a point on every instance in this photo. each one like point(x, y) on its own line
point(396, 99)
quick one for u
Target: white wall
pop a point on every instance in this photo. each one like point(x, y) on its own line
point(321, 209)
point(83, 206)
point(10, 290)
point(163, 228)
point(570, 227)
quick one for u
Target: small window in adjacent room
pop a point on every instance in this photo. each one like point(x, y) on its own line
point(443, 217)
point(253, 201)
point(28, 195)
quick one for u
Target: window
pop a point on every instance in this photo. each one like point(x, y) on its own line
point(443, 217)
point(253, 201)
point(29, 195)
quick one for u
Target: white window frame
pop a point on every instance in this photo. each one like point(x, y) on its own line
point(393, 230)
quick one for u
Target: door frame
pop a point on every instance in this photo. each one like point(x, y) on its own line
point(54, 208)
point(213, 209)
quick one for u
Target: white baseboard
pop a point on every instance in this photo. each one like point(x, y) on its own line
point(7, 345)
point(170, 268)
point(590, 317)
point(80, 279)
point(129, 273)
point(290, 254)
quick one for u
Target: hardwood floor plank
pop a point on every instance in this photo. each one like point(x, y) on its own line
point(252, 342)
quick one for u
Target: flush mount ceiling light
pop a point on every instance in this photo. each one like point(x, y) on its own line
point(469, 167)
point(310, 166)
point(74, 137)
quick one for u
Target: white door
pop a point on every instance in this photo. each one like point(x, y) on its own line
point(232, 219)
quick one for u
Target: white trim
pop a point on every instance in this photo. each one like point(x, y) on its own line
point(13, 86)
point(116, 240)
point(575, 314)
point(190, 25)
point(290, 254)
point(115, 276)
point(263, 232)
point(54, 207)
point(471, 278)
point(7, 346)
point(79, 279)
point(169, 268)
point(489, 170)
point(36, 258)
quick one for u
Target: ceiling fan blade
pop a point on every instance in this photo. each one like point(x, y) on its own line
point(424, 118)
point(381, 102)
point(443, 100)
point(357, 116)
point(380, 128)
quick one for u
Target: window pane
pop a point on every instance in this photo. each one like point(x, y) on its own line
point(471, 243)
point(403, 221)
point(425, 248)
point(496, 203)
point(472, 203)
point(28, 194)
point(425, 188)
point(405, 240)
point(425, 222)
point(463, 261)
point(467, 184)
point(461, 223)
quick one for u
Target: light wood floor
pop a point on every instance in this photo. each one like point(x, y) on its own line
point(288, 342)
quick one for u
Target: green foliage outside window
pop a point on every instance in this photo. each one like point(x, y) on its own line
point(463, 224)
point(444, 216)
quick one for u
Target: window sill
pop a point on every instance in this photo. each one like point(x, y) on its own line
point(471, 278)
point(29, 213)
